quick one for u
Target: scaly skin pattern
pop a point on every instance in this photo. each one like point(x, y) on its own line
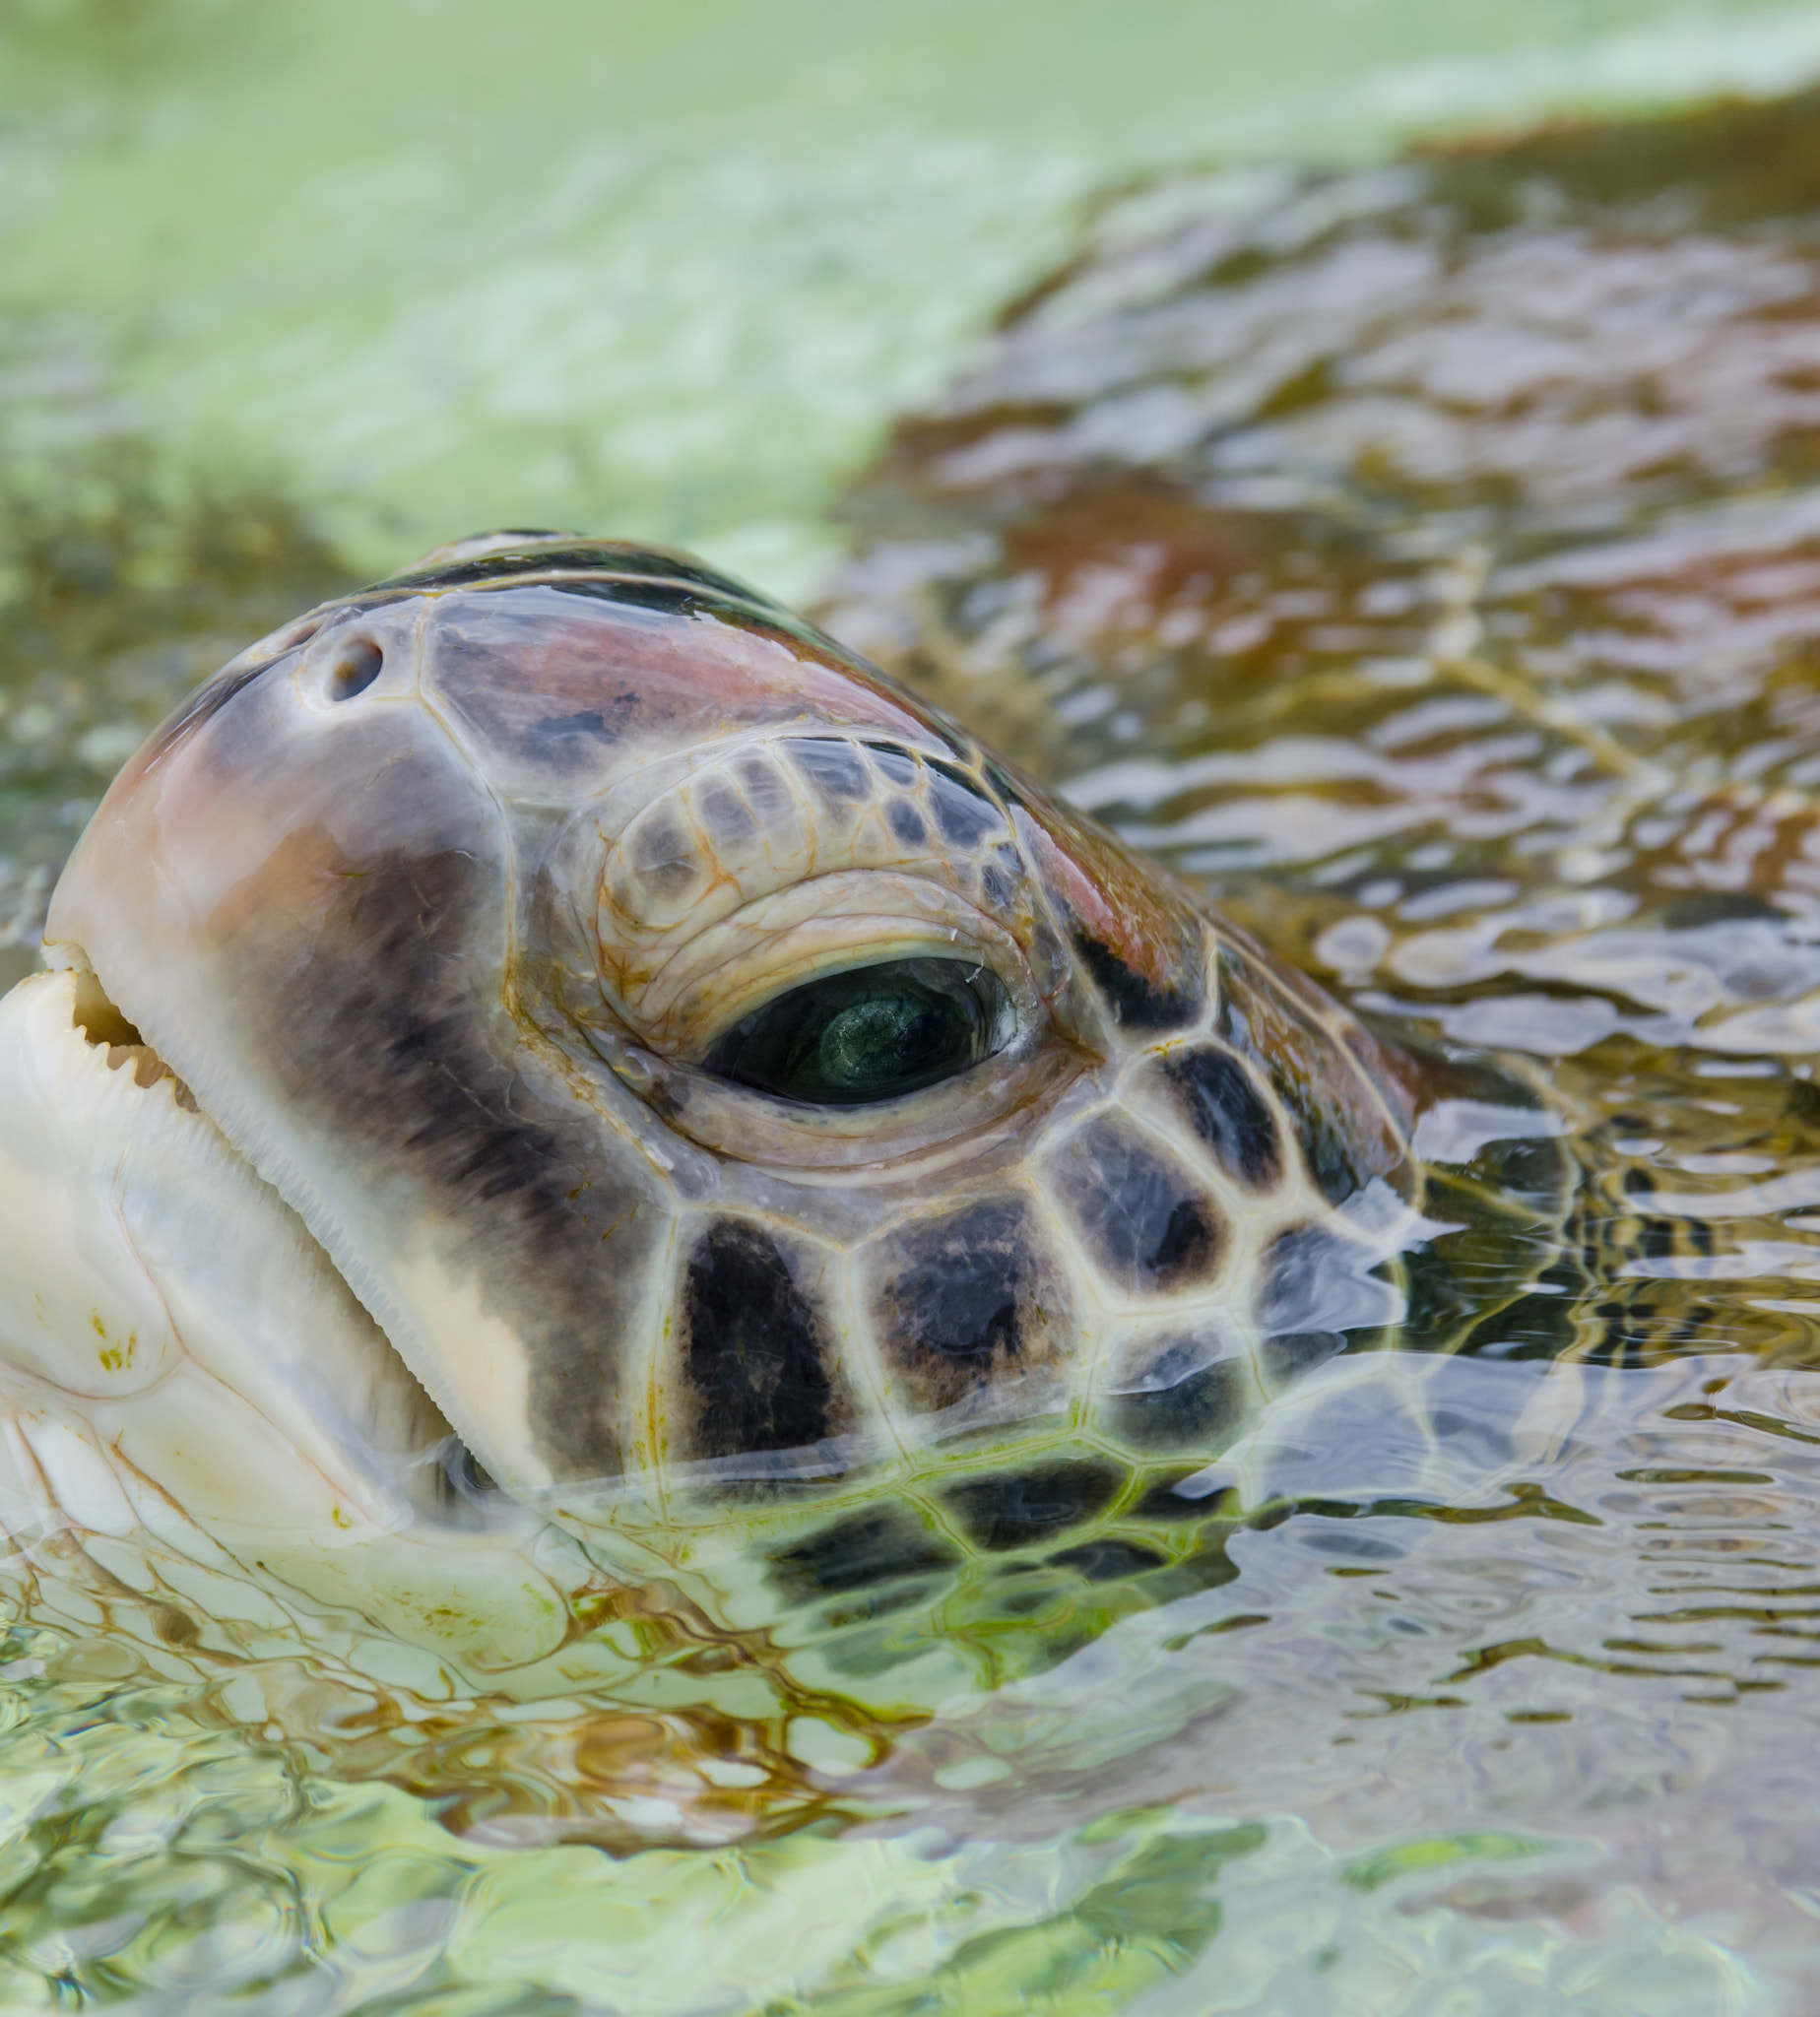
point(372, 1104)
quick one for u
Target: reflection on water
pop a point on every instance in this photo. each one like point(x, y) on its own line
point(1423, 560)
point(1529, 1720)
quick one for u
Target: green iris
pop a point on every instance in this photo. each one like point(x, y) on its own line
point(872, 1033)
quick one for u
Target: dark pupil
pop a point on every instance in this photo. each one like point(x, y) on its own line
point(874, 1033)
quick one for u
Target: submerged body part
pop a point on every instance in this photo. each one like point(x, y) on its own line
point(554, 1073)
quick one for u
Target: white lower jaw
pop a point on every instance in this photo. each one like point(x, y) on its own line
point(178, 1357)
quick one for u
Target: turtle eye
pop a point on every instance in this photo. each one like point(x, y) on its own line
point(870, 1033)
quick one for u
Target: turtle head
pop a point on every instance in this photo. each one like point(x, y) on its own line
point(699, 1058)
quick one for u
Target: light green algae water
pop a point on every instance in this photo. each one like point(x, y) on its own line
point(288, 295)
point(1514, 1724)
point(434, 263)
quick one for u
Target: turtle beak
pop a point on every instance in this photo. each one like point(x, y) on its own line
point(145, 1260)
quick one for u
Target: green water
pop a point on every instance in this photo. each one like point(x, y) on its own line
point(425, 265)
point(289, 295)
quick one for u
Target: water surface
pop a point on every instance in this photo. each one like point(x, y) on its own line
point(288, 298)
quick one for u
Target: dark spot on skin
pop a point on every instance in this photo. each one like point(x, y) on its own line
point(1024, 1600)
point(996, 777)
point(966, 1306)
point(534, 717)
point(967, 1298)
point(1291, 1355)
point(669, 1099)
point(1136, 1004)
point(996, 886)
point(1201, 1409)
point(899, 766)
point(754, 1356)
point(175, 1627)
point(664, 856)
point(962, 811)
point(1316, 1281)
point(1207, 1568)
point(1334, 1164)
point(1145, 1220)
point(1105, 1561)
point(586, 724)
point(835, 769)
point(906, 823)
point(1344, 1136)
point(1188, 1242)
point(884, 1545)
point(725, 814)
point(1221, 1102)
point(1028, 1506)
point(1163, 1502)
point(766, 791)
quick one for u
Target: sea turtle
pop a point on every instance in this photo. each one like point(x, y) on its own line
point(553, 1069)
point(1499, 767)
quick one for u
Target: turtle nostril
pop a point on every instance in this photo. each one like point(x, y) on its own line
point(355, 668)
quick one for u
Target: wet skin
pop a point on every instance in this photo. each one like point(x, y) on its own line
point(698, 1067)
